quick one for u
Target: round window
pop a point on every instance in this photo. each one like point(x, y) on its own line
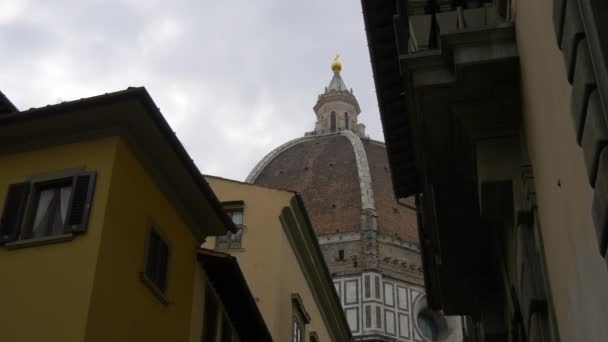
point(428, 326)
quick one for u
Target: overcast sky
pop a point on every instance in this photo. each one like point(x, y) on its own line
point(234, 79)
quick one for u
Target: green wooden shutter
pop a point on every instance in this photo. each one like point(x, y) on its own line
point(14, 208)
point(80, 206)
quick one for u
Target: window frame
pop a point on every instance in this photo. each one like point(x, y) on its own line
point(298, 327)
point(36, 187)
point(226, 242)
point(161, 294)
point(300, 318)
point(27, 209)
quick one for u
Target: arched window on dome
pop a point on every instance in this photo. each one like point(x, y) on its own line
point(332, 121)
point(346, 120)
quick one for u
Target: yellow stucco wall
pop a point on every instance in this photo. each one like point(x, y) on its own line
point(577, 272)
point(45, 290)
point(267, 260)
point(122, 307)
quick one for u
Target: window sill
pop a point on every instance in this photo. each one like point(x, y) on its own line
point(155, 290)
point(226, 250)
point(39, 241)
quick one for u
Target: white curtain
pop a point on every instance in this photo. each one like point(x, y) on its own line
point(65, 201)
point(237, 217)
point(42, 211)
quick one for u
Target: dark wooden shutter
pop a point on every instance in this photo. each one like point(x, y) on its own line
point(14, 208)
point(163, 261)
point(152, 257)
point(80, 206)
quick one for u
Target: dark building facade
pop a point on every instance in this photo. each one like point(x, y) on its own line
point(494, 115)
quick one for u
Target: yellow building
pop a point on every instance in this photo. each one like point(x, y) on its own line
point(282, 262)
point(103, 215)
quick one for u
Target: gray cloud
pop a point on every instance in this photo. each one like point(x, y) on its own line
point(234, 79)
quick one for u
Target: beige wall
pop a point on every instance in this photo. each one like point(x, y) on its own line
point(577, 273)
point(267, 259)
point(123, 308)
point(45, 290)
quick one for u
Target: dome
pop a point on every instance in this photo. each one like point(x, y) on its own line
point(340, 177)
point(368, 239)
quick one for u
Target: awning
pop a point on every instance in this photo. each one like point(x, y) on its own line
point(227, 279)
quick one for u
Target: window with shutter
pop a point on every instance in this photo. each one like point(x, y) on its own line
point(47, 207)
point(156, 263)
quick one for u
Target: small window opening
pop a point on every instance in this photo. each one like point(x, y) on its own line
point(157, 261)
point(428, 326)
point(341, 254)
point(346, 120)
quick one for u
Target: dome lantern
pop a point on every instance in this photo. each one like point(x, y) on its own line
point(337, 108)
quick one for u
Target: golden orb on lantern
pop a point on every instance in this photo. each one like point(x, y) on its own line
point(336, 65)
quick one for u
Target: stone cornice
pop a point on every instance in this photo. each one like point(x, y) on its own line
point(327, 239)
point(335, 96)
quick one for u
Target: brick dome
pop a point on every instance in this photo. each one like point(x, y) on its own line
point(341, 177)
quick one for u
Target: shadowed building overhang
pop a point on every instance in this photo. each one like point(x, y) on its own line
point(6, 106)
point(132, 115)
point(228, 281)
point(436, 103)
point(382, 22)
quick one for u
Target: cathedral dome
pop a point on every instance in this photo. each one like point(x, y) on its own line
point(341, 174)
point(369, 240)
point(342, 178)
